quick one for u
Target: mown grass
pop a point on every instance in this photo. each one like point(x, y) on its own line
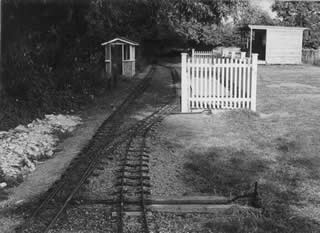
point(279, 148)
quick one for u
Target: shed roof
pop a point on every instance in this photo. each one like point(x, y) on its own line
point(276, 27)
point(121, 39)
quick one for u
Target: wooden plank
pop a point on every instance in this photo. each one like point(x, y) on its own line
point(184, 96)
point(222, 83)
point(206, 80)
point(195, 199)
point(188, 81)
point(201, 68)
point(214, 83)
point(196, 91)
point(218, 83)
point(231, 83)
point(128, 213)
point(244, 85)
point(210, 70)
point(240, 85)
point(191, 71)
point(254, 81)
point(227, 84)
point(219, 209)
point(236, 86)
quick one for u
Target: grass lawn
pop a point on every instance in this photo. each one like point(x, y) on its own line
point(279, 147)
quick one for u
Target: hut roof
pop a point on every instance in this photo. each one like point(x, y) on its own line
point(121, 39)
point(276, 27)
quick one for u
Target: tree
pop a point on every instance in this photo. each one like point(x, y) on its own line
point(1, 85)
point(303, 14)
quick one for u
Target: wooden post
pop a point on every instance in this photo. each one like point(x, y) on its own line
point(184, 84)
point(192, 53)
point(122, 46)
point(233, 54)
point(254, 82)
point(250, 52)
point(243, 55)
point(110, 57)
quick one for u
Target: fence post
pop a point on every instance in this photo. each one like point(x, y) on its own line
point(254, 82)
point(192, 53)
point(243, 55)
point(184, 84)
point(233, 54)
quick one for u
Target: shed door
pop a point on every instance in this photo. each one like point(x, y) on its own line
point(259, 43)
point(116, 51)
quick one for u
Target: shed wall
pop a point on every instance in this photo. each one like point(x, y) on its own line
point(284, 46)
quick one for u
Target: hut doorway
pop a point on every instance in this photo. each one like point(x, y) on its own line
point(120, 57)
point(259, 43)
point(116, 51)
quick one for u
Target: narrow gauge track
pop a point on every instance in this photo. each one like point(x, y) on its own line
point(133, 184)
point(57, 198)
point(103, 143)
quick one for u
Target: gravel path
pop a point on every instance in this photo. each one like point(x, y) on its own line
point(85, 219)
point(166, 167)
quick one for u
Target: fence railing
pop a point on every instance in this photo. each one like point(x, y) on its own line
point(218, 83)
point(311, 56)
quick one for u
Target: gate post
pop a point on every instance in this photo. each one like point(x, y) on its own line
point(233, 55)
point(254, 82)
point(243, 55)
point(184, 84)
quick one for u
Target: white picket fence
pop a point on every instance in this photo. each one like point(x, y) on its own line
point(218, 83)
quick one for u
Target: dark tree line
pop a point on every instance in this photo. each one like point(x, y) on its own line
point(53, 45)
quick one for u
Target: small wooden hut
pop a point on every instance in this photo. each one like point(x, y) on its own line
point(120, 56)
point(275, 44)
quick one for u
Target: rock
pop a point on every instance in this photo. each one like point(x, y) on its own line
point(49, 153)
point(21, 128)
point(19, 202)
point(22, 146)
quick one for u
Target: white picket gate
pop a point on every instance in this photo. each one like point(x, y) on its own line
point(218, 83)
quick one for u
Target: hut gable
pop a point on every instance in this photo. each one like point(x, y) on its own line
point(121, 40)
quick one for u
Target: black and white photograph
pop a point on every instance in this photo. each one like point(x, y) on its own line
point(159, 116)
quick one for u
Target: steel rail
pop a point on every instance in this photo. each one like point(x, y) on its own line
point(93, 152)
point(94, 155)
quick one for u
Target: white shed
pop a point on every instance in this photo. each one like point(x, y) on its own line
point(276, 44)
point(120, 56)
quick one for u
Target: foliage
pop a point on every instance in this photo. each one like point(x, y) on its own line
point(37, 55)
point(45, 58)
point(304, 14)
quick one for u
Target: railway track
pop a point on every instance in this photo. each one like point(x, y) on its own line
point(133, 184)
point(133, 179)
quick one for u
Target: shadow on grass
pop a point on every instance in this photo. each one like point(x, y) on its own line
point(224, 171)
point(228, 171)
